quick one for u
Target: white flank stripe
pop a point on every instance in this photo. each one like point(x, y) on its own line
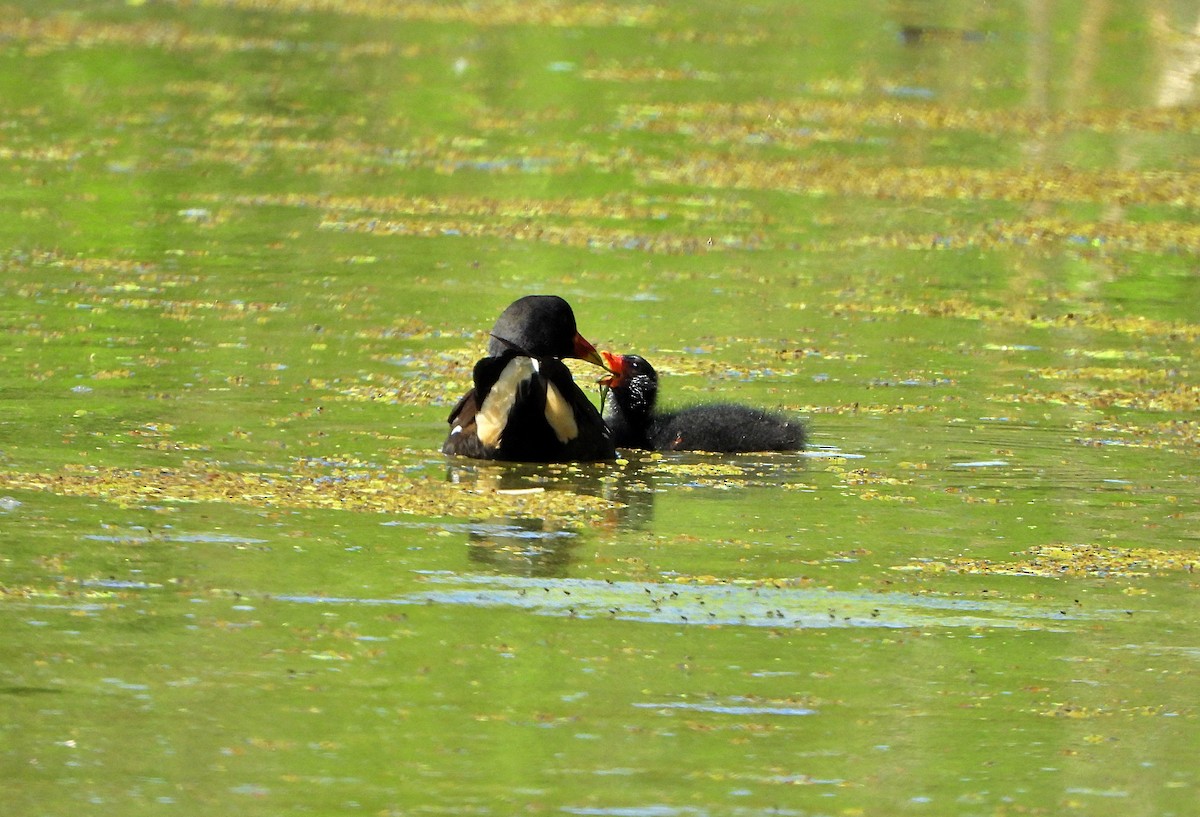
point(493, 414)
point(559, 414)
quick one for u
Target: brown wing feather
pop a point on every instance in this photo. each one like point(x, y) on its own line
point(463, 439)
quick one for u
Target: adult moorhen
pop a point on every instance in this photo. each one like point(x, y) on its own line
point(720, 427)
point(525, 406)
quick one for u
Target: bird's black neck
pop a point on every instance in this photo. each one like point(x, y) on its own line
point(630, 411)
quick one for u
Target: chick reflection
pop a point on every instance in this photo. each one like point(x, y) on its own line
point(538, 547)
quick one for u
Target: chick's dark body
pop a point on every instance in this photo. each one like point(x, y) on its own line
point(635, 422)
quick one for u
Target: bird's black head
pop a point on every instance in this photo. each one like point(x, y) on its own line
point(633, 384)
point(543, 326)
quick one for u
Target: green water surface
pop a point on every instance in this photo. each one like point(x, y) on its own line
point(248, 246)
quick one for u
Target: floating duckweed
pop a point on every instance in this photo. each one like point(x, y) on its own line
point(695, 469)
point(609, 208)
point(1055, 234)
point(777, 583)
point(539, 12)
point(1070, 560)
point(1179, 397)
point(1103, 373)
point(588, 236)
point(722, 121)
point(863, 476)
point(62, 32)
point(961, 308)
point(843, 177)
point(336, 489)
point(1168, 435)
point(869, 408)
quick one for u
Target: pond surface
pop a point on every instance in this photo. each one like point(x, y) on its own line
point(252, 249)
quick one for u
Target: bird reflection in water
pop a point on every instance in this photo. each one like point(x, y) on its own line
point(545, 547)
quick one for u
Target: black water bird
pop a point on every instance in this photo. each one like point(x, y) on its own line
point(524, 405)
point(721, 427)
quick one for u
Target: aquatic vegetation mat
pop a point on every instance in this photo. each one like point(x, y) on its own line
point(334, 489)
point(1072, 560)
